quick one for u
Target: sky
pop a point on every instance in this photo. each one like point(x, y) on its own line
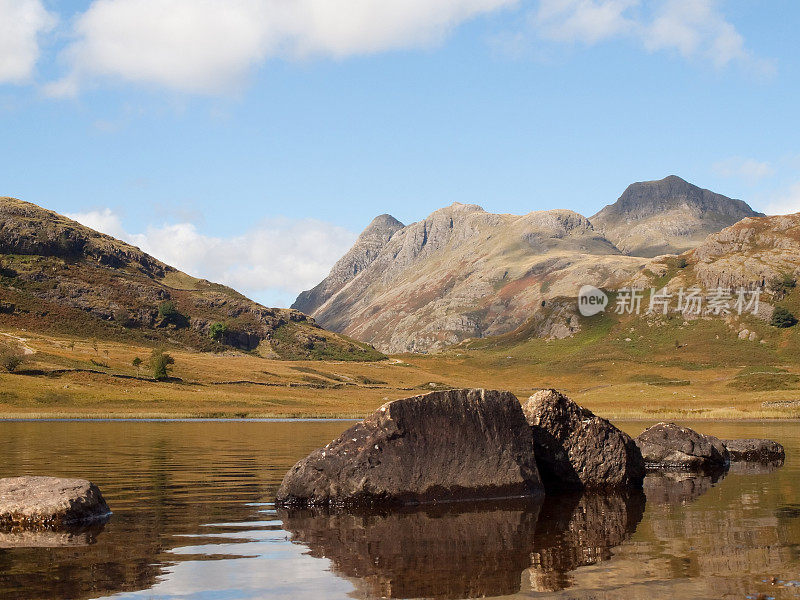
point(250, 141)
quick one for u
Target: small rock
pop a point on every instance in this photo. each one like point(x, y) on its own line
point(442, 446)
point(44, 502)
point(671, 447)
point(755, 450)
point(575, 449)
point(743, 334)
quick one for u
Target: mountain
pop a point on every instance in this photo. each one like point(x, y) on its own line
point(668, 216)
point(57, 275)
point(366, 249)
point(463, 272)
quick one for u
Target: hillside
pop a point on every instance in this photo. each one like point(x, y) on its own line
point(668, 216)
point(58, 276)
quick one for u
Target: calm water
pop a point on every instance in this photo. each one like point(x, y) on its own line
point(193, 519)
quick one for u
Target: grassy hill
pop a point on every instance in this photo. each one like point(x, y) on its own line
point(59, 277)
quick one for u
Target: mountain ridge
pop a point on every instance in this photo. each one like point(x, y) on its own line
point(463, 272)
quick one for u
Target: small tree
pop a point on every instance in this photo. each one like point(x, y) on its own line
point(217, 331)
point(160, 362)
point(137, 364)
point(11, 359)
point(781, 317)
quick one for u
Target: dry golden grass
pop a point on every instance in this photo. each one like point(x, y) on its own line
point(56, 382)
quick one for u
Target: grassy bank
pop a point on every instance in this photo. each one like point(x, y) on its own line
point(67, 377)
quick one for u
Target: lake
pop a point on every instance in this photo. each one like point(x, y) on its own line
point(193, 519)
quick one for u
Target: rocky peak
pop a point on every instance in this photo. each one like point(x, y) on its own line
point(668, 216)
point(367, 247)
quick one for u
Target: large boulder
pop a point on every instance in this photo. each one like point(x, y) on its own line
point(755, 450)
point(667, 446)
point(575, 449)
point(442, 446)
point(45, 502)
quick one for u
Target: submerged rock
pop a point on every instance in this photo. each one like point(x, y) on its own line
point(671, 447)
point(575, 449)
point(49, 502)
point(442, 446)
point(755, 450)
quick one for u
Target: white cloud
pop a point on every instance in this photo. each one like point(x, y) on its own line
point(696, 29)
point(272, 262)
point(748, 169)
point(785, 203)
point(209, 46)
point(21, 24)
point(585, 21)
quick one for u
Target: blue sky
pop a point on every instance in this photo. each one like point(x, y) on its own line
point(249, 141)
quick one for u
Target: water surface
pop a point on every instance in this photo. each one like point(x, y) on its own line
point(193, 518)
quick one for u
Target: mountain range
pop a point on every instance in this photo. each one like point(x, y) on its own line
point(465, 273)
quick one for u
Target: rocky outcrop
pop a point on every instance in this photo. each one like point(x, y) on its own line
point(366, 249)
point(49, 502)
point(668, 216)
point(442, 446)
point(755, 450)
point(754, 253)
point(575, 449)
point(669, 446)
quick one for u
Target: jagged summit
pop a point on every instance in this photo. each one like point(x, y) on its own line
point(667, 216)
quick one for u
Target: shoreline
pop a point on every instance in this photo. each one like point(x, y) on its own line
point(184, 418)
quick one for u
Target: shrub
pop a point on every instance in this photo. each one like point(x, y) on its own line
point(217, 331)
point(682, 263)
point(170, 315)
point(11, 359)
point(781, 317)
point(160, 362)
point(137, 364)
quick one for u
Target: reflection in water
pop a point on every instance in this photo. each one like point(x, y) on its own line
point(192, 521)
point(460, 550)
point(755, 468)
point(580, 530)
point(77, 535)
point(677, 488)
point(467, 550)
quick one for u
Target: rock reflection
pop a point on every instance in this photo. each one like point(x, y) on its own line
point(580, 530)
point(755, 468)
point(80, 535)
point(677, 487)
point(467, 550)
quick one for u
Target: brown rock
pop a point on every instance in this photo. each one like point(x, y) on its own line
point(672, 447)
point(38, 502)
point(442, 446)
point(576, 449)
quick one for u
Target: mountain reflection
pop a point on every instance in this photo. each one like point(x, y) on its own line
point(467, 550)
